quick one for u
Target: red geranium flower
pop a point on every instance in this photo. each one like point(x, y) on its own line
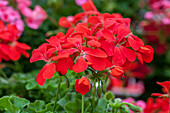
point(82, 85)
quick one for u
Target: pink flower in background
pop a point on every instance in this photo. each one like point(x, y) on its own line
point(149, 15)
point(80, 2)
point(3, 3)
point(35, 19)
point(9, 15)
point(23, 3)
point(129, 87)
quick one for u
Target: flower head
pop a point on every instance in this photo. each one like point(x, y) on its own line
point(82, 85)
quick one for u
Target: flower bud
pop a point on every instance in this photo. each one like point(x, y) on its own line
point(82, 85)
point(117, 72)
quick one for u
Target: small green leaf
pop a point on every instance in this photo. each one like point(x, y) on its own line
point(109, 96)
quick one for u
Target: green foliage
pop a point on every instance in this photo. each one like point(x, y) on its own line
point(12, 104)
point(75, 106)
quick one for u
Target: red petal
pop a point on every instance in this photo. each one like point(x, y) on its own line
point(22, 45)
point(82, 29)
point(118, 57)
point(69, 63)
point(165, 84)
point(39, 79)
point(122, 32)
point(93, 43)
point(49, 71)
point(107, 35)
point(93, 20)
point(139, 56)
point(61, 66)
point(80, 65)
point(89, 6)
point(14, 54)
point(35, 57)
point(133, 43)
point(108, 46)
point(96, 53)
point(63, 22)
point(2, 25)
point(157, 94)
point(76, 85)
point(97, 63)
point(64, 54)
point(70, 31)
point(130, 54)
point(147, 53)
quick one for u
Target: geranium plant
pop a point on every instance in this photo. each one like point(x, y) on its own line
point(100, 45)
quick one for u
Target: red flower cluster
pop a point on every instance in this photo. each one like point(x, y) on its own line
point(10, 48)
point(100, 41)
point(161, 104)
point(82, 85)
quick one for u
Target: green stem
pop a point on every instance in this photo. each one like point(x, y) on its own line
point(82, 107)
point(53, 21)
point(107, 77)
point(94, 91)
point(3, 74)
point(57, 94)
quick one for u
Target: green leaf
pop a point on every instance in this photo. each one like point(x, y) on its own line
point(19, 102)
point(31, 84)
point(75, 107)
point(133, 107)
point(67, 98)
point(101, 106)
point(38, 105)
point(109, 96)
point(7, 105)
point(13, 104)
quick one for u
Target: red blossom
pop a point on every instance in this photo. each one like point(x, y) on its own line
point(82, 85)
point(95, 40)
point(10, 48)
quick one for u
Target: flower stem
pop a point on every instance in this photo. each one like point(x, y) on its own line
point(57, 94)
point(53, 21)
point(82, 107)
point(94, 91)
point(3, 74)
point(107, 77)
